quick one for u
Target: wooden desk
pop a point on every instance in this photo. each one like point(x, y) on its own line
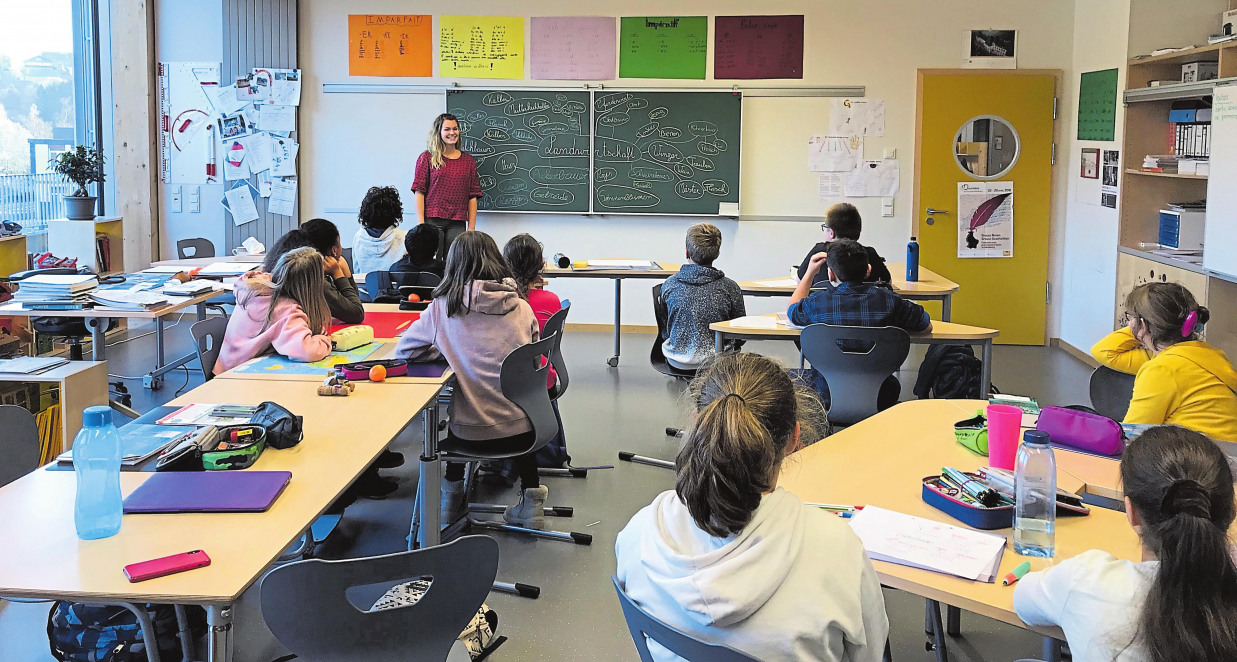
point(881, 461)
point(931, 286)
point(43, 557)
point(942, 333)
point(666, 270)
point(96, 320)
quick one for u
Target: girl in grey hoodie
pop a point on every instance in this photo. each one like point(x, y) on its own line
point(731, 559)
point(474, 320)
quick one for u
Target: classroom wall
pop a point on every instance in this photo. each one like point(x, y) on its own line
point(879, 44)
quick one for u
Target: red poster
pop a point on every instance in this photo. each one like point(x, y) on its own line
point(758, 47)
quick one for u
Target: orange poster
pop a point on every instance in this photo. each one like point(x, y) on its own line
point(390, 45)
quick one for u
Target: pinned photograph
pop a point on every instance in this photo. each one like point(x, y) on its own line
point(1090, 163)
point(990, 49)
point(233, 126)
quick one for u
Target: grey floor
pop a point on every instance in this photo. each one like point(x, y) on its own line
point(606, 410)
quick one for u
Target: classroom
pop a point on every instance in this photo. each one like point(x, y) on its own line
point(799, 330)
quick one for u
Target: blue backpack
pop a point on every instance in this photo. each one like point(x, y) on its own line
point(79, 632)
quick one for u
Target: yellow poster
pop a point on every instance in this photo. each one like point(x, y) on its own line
point(481, 46)
point(390, 45)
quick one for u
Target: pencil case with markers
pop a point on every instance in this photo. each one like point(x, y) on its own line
point(946, 497)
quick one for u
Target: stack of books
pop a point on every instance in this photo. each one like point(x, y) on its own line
point(56, 292)
point(1160, 163)
point(128, 299)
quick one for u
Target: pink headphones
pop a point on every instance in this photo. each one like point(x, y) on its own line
point(1191, 321)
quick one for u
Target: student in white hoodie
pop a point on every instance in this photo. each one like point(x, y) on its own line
point(1180, 602)
point(379, 243)
point(731, 559)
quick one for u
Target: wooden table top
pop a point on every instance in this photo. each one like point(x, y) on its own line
point(667, 269)
point(882, 461)
point(42, 556)
point(930, 283)
point(175, 304)
point(941, 331)
point(387, 347)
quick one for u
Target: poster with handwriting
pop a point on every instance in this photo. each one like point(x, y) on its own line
point(663, 47)
point(572, 47)
point(481, 46)
point(1097, 105)
point(748, 47)
point(390, 45)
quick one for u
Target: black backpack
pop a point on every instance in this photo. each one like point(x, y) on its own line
point(950, 371)
point(79, 632)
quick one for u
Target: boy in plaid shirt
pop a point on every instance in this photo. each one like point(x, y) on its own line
point(848, 301)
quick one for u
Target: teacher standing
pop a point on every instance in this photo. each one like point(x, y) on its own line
point(446, 186)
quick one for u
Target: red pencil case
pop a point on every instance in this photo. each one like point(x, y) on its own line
point(360, 370)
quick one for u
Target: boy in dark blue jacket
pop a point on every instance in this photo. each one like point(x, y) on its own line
point(846, 300)
point(697, 296)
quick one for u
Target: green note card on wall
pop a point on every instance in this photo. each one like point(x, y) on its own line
point(1097, 105)
point(663, 46)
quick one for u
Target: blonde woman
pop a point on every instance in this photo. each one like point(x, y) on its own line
point(446, 186)
point(284, 312)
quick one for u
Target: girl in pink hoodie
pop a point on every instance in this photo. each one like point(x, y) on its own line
point(475, 319)
point(284, 312)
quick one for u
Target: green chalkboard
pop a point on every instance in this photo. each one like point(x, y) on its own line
point(665, 152)
point(531, 146)
point(1097, 105)
point(663, 46)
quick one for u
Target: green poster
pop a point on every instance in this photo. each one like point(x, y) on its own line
point(1097, 105)
point(663, 46)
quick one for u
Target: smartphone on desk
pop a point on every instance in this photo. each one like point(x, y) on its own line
point(168, 565)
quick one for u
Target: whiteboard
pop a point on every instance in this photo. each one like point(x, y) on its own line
point(1220, 232)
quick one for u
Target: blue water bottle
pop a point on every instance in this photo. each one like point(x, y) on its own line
point(912, 261)
point(96, 461)
point(1035, 496)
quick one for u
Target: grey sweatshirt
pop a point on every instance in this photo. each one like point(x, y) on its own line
point(475, 343)
point(696, 297)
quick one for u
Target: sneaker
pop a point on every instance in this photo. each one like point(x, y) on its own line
point(529, 511)
point(451, 506)
point(373, 486)
point(390, 460)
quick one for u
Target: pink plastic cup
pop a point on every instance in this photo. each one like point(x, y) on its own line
point(1004, 429)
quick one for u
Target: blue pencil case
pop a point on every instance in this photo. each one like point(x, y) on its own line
point(945, 499)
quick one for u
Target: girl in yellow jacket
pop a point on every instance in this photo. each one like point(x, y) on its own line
point(1179, 379)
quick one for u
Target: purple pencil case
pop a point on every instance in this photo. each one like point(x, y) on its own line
point(1084, 431)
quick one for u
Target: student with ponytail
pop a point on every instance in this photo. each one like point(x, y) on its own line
point(1180, 379)
point(1180, 602)
point(730, 558)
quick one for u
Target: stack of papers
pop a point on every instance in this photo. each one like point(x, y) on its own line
point(225, 269)
point(140, 441)
point(754, 322)
point(31, 365)
point(189, 289)
point(129, 299)
point(1160, 163)
point(777, 282)
point(929, 545)
point(66, 292)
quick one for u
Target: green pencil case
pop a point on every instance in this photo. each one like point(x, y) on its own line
point(239, 454)
point(973, 433)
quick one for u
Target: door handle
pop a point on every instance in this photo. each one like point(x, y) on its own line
point(931, 211)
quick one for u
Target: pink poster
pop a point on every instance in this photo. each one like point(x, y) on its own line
point(573, 47)
point(749, 47)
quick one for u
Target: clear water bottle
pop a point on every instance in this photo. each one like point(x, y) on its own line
point(912, 261)
point(96, 461)
point(1035, 487)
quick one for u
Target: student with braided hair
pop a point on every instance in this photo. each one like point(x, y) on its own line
point(1180, 602)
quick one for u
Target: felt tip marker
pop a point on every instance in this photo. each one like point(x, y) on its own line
point(1018, 572)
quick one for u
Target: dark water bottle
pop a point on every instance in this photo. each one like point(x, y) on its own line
point(912, 260)
point(562, 260)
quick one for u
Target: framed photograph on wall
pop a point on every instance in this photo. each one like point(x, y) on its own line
point(990, 49)
point(1090, 163)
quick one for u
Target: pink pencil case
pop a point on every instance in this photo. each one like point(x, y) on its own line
point(1084, 431)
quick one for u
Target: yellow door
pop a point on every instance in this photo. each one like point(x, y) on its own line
point(987, 129)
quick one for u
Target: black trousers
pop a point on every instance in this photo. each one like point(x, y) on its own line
point(449, 230)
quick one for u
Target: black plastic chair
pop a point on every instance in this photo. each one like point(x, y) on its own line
point(854, 375)
point(197, 247)
point(658, 359)
point(322, 610)
point(208, 336)
point(19, 445)
point(415, 278)
point(1111, 392)
point(554, 328)
point(644, 626)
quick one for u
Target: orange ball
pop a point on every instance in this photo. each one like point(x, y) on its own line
point(377, 373)
point(414, 297)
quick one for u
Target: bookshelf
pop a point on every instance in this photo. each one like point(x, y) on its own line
point(81, 239)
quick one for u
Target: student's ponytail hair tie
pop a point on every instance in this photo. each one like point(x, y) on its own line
point(735, 395)
point(1191, 321)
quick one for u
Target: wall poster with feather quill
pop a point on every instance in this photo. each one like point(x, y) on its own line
point(985, 219)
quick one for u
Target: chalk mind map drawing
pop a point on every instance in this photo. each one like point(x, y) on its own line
point(532, 147)
point(665, 152)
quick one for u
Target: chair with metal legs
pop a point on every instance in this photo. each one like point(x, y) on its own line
point(658, 360)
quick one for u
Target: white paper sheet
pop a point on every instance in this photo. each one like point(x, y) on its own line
point(778, 282)
point(922, 543)
point(283, 197)
point(258, 152)
point(834, 153)
point(832, 186)
point(225, 101)
point(283, 157)
point(874, 179)
point(165, 269)
point(264, 184)
point(235, 166)
point(857, 117)
point(754, 322)
point(239, 201)
point(276, 118)
point(285, 88)
point(620, 264)
point(225, 269)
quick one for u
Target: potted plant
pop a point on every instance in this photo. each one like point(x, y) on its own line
point(82, 166)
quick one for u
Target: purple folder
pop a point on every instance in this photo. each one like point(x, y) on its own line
point(208, 492)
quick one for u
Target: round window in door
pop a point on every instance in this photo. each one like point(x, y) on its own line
point(986, 147)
